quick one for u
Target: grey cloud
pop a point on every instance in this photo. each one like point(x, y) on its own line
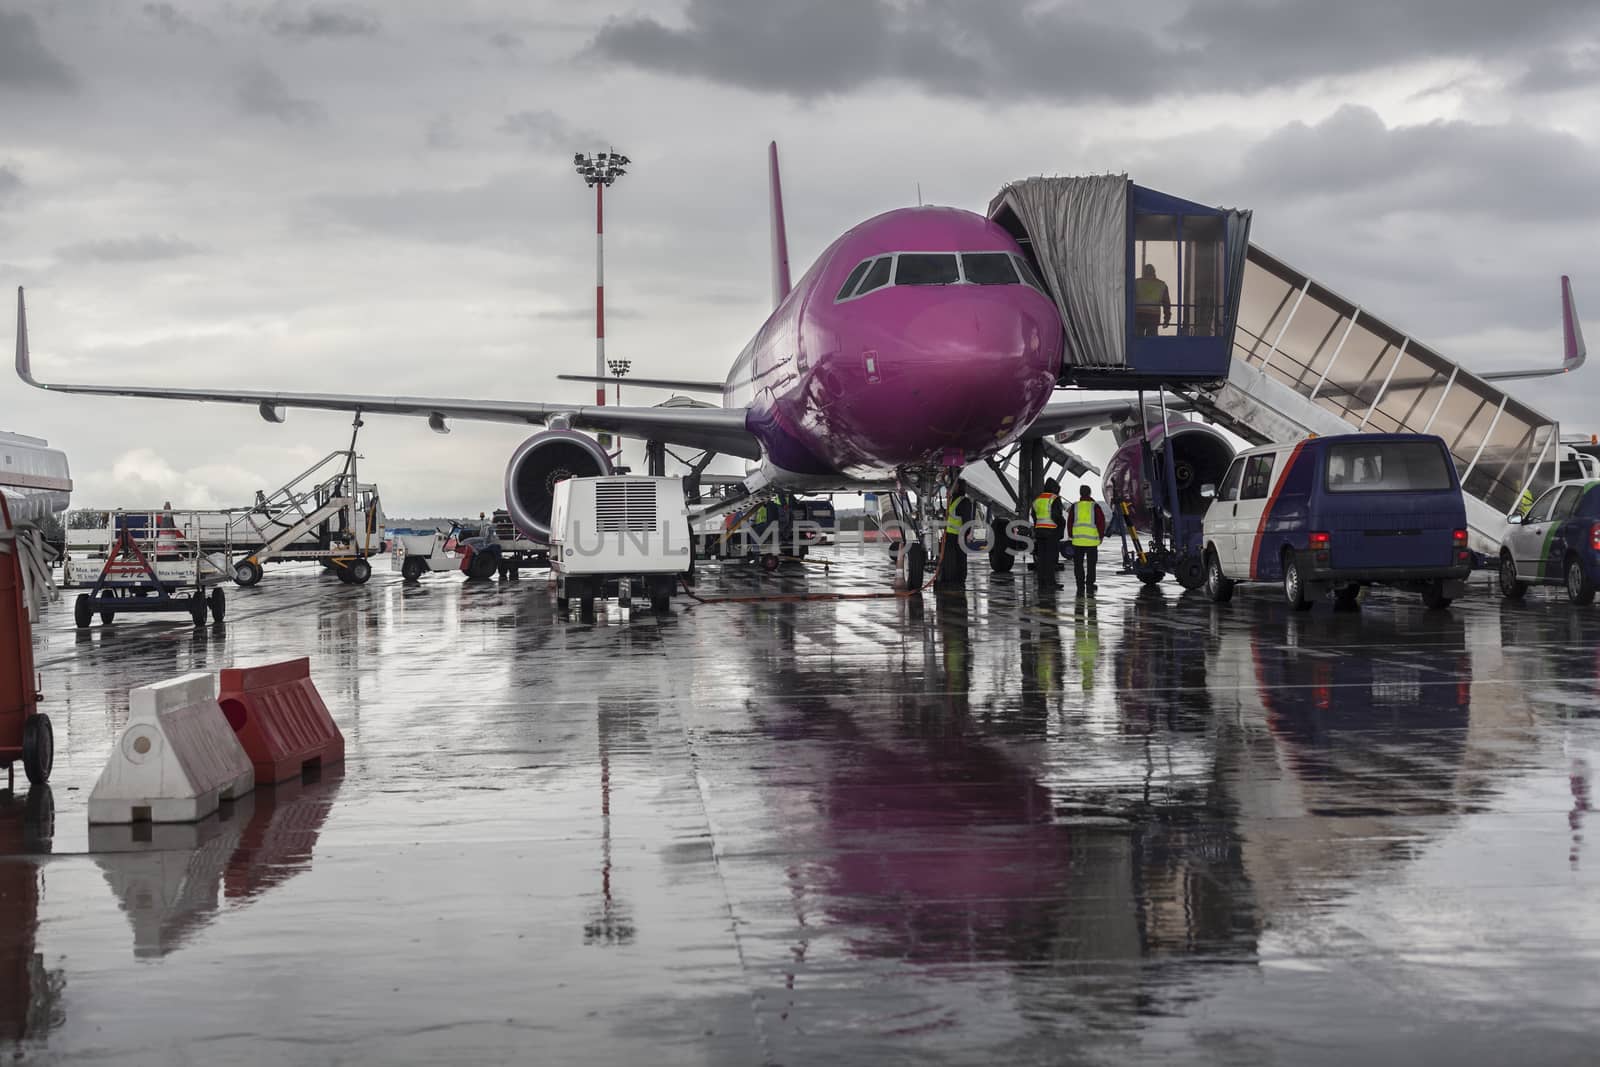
point(172, 20)
point(546, 129)
point(1077, 51)
point(10, 184)
point(318, 21)
point(1558, 71)
point(505, 40)
point(441, 133)
point(261, 92)
point(491, 213)
point(25, 62)
point(1508, 171)
point(580, 314)
point(142, 249)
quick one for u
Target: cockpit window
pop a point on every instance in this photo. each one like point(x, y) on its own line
point(878, 276)
point(849, 285)
point(988, 268)
point(1028, 275)
point(927, 268)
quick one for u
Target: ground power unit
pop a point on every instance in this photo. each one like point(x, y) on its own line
point(617, 535)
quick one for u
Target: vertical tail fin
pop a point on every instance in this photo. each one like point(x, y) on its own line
point(24, 368)
point(780, 235)
point(1574, 351)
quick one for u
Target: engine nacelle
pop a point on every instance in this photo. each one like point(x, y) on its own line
point(537, 465)
point(1200, 456)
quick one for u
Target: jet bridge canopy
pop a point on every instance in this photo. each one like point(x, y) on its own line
point(1147, 283)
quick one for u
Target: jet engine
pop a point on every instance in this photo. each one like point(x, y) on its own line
point(1199, 454)
point(537, 465)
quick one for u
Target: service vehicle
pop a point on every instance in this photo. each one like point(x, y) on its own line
point(1557, 542)
point(1333, 514)
point(616, 535)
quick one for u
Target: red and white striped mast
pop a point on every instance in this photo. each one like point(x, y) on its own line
point(599, 171)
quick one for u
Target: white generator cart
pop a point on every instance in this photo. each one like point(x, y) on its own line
point(615, 535)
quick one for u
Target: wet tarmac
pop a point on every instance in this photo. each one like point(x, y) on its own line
point(992, 828)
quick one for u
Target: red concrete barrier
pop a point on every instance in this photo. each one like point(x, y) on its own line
point(280, 718)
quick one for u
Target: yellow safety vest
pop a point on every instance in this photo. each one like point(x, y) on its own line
point(1525, 505)
point(952, 522)
point(1085, 534)
point(759, 515)
point(1149, 291)
point(1041, 511)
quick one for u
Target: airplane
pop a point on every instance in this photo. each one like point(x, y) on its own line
point(919, 341)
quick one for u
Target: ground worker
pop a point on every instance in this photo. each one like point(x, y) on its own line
point(1088, 528)
point(1047, 523)
point(1152, 307)
point(952, 554)
point(1525, 504)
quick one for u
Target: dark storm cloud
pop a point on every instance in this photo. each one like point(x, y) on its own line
point(317, 22)
point(546, 129)
point(142, 249)
point(1511, 171)
point(1078, 51)
point(261, 92)
point(25, 62)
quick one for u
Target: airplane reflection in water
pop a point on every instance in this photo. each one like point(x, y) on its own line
point(965, 822)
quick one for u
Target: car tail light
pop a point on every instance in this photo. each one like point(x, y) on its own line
point(1459, 537)
point(1319, 540)
point(1594, 537)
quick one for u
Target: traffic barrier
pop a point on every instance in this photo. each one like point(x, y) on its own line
point(175, 761)
point(280, 718)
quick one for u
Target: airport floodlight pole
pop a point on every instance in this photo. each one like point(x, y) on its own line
point(599, 171)
point(619, 370)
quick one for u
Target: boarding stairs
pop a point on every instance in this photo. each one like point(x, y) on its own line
point(1308, 361)
point(325, 492)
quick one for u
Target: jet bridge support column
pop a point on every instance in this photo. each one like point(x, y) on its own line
point(655, 459)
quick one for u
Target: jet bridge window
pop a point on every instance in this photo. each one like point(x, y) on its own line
point(927, 268)
point(851, 282)
point(988, 268)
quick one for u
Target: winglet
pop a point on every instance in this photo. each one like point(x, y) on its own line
point(780, 235)
point(1571, 331)
point(24, 368)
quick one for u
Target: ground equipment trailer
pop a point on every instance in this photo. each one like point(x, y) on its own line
point(156, 563)
point(612, 535)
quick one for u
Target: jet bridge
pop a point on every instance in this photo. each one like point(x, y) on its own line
point(1307, 360)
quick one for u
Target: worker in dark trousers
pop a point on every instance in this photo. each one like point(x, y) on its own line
point(1088, 529)
point(1047, 523)
point(952, 554)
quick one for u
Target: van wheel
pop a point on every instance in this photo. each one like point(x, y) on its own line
point(1218, 586)
point(1580, 590)
point(1294, 588)
point(1433, 595)
point(1511, 587)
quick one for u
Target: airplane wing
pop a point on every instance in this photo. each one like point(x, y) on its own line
point(684, 384)
point(1071, 416)
point(718, 429)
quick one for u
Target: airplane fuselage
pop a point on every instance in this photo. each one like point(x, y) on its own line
point(923, 371)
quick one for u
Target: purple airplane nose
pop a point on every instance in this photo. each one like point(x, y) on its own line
point(967, 369)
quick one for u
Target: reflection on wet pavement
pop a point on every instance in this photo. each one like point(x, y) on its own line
point(966, 828)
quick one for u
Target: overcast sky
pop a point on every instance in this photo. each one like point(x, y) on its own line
point(379, 197)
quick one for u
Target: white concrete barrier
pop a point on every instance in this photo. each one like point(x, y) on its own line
point(176, 760)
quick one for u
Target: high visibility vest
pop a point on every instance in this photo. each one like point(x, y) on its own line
point(760, 514)
point(952, 521)
point(1041, 511)
point(1525, 505)
point(1085, 534)
point(1149, 291)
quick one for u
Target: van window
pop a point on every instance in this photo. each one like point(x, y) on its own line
point(1387, 467)
point(1229, 489)
point(849, 285)
point(1257, 477)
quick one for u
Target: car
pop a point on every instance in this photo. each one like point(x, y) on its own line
point(1334, 514)
point(1556, 542)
